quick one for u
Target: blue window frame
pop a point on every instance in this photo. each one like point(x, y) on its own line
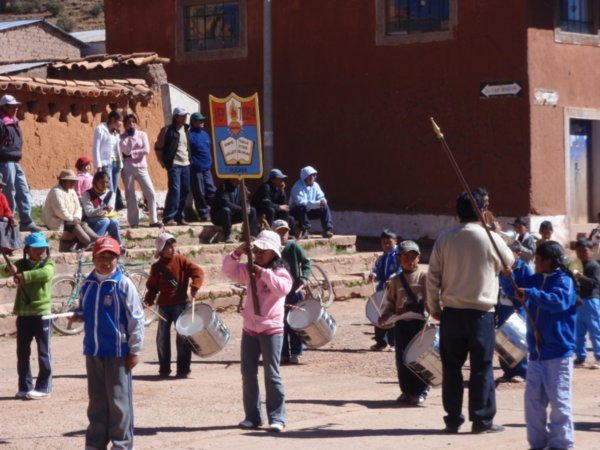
point(416, 16)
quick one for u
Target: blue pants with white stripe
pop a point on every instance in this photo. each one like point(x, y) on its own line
point(29, 328)
point(588, 321)
point(110, 407)
point(549, 383)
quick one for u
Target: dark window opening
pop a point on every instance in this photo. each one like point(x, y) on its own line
point(211, 26)
point(577, 16)
point(416, 16)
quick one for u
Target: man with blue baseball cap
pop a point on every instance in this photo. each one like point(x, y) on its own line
point(270, 199)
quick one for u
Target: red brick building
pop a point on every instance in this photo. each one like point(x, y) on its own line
point(355, 82)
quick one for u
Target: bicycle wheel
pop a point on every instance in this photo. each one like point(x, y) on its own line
point(139, 278)
point(319, 287)
point(65, 296)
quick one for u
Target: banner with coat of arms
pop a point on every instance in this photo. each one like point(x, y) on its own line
point(237, 146)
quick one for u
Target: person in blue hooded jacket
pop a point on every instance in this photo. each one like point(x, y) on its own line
point(550, 296)
point(308, 202)
point(110, 306)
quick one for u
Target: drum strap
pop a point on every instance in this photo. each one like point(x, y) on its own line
point(411, 295)
point(171, 279)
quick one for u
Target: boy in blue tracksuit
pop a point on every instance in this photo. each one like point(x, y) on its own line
point(114, 334)
point(551, 298)
point(507, 305)
point(385, 266)
point(588, 314)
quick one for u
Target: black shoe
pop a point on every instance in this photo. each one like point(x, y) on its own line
point(328, 234)
point(134, 227)
point(182, 222)
point(156, 225)
point(164, 374)
point(183, 375)
point(485, 430)
point(204, 218)
point(31, 227)
point(451, 430)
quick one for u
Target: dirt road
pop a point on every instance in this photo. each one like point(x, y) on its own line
point(343, 395)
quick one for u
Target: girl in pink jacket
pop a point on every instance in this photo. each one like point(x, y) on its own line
point(262, 334)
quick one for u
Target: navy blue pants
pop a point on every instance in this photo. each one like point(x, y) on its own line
point(468, 332)
point(384, 337)
point(178, 190)
point(29, 328)
point(203, 191)
point(163, 342)
point(291, 342)
point(272, 214)
point(404, 331)
point(304, 216)
point(225, 218)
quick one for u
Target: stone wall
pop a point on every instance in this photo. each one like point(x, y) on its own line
point(35, 42)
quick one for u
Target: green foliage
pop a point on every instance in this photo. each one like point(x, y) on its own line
point(66, 23)
point(21, 6)
point(97, 9)
point(55, 7)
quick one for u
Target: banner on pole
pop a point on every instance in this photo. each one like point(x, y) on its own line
point(237, 145)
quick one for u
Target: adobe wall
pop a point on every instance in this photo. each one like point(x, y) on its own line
point(572, 70)
point(360, 112)
point(54, 140)
point(34, 42)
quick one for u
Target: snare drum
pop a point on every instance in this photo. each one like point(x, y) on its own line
point(371, 312)
point(511, 340)
point(206, 334)
point(312, 323)
point(422, 356)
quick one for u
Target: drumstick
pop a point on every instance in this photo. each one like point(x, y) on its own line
point(57, 315)
point(193, 309)
point(299, 308)
point(154, 312)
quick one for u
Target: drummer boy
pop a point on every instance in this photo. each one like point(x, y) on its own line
point(406, 295)
point(170, 277)
point(385, 266)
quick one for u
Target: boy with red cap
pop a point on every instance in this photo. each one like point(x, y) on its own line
point(110, 306)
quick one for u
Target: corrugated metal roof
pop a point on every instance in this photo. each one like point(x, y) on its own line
point(13, 68)
point(90, 35)
point(17, 23)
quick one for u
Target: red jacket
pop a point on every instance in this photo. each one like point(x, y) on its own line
point(4, 208)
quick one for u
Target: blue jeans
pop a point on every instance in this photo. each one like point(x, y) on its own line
point(291, 342)
point(17, 191)
point(102, 225)
point(178, 190)
point(163, 342)
point(113, 175)
point(270, 349)
point(304, 216)
point(549, 382)
point(468, 332)
point(203, 190)
point(503, 312)
point(588, 321)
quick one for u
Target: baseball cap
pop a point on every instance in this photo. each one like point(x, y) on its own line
point(584, 243)
point(197, 116)
point(277, 174)
point(180, 111)
point(106, 244)
point(36, 240)
point(8, 100)
point(408, 246)
point(161, 240)
point(279, 224)
point(268, 240)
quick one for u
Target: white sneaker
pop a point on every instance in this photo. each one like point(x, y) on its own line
point(596, 365)
point(275, 427)
point(21, 395)
point(294, 359)
point(37, 395)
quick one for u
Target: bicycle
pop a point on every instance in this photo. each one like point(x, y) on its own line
point(65, 293)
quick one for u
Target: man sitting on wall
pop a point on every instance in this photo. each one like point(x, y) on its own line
point(16, 188)
point(307, 201)
point(227, 208)
point(270, 199)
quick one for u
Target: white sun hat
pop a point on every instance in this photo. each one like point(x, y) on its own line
point(161, 241)
point(268, 240)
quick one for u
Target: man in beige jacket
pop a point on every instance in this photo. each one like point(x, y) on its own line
point(62, 211)
point(462, 288)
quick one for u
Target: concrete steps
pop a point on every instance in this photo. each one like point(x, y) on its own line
point(346, 268)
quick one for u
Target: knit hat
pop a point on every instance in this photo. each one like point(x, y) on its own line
point(161, 241)
point(268, 240)
point(82, 162)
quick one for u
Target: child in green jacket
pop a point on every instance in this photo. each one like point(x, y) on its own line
point(33, 277)
point(299, 267)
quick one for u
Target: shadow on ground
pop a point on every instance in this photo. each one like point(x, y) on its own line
point(154, 431)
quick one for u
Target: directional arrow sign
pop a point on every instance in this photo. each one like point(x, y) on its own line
point(488, 90)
